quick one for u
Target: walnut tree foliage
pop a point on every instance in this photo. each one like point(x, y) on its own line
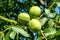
point(11, 29)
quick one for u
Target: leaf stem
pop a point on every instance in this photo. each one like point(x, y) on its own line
point(3, 37)
point(43, 35)
point(6, 19)
point(17, 36)
point(7, 29)
point(52, 5)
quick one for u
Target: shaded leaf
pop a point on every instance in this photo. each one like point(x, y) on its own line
point(1, 36)
point(57, 19)
point(58, 32)
point(6, 26)
point(7, 35)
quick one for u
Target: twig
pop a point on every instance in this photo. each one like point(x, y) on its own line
point(6, 19)
point(40, 16)
point(52, 5)
point(43, 35)
point(3, 37)
point(42, 3)
point(7, 29)
point(17, 36)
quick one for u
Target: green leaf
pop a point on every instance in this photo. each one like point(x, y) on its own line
point(1, 36)
point(58, 4)
point(52, 15)
point(7, 35)
point(58, 32)
point(39, 38)
point(50, 31)
point(20, 30)
point(50, 23)
point(6, 26)
point(57, 19)
point(43, 20)
point(47, 11)
point(12, 34)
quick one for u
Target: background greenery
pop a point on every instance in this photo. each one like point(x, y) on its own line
point(10, 9)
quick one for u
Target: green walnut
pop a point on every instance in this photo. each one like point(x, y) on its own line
point(34, 25)
point(35, 11)
point(23, 18)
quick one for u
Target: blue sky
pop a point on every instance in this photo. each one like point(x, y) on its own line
point(57, 10)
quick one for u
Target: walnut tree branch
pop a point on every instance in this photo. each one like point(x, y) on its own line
point(42, 3)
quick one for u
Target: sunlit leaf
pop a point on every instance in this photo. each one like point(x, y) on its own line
point(50, 31)
point(58, 4)
point(43, 20)
point(20, 30)
point(39, 38)
point(51, 15)
point(50, 23)
point(3, 37)
point(49, 18)
point(12, 34)
point(47, 11)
